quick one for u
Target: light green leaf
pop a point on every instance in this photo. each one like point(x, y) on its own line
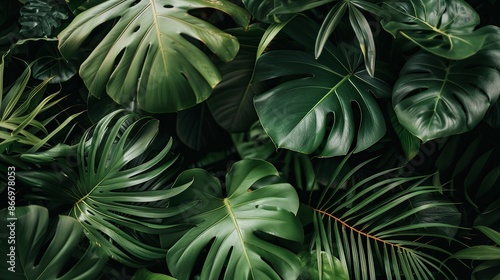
point(237, 228)
point(443, 27)
point(480, 252)
point(41, 252)
point(435, 97)
point(330, 267)
point(149, 55)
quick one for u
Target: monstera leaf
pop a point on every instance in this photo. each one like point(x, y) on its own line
point(149, 55)
point(237, 228)
point(334, 88)
point(117, 188)
point(232, 100)
point(444, 27)
point(41, 18)
point(42, 253)
point(435, 97)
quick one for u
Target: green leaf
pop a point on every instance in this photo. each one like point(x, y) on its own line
point(330, 267)
point(237, 228)
point(78, 6)
point(20, 107)
point(41, 18)
point(444, 27)
point(409, 143)
point(253, 144)
point(261, 10)
point(480, 252)
point(331, 21)
point(443, 211)
point(371, 221)
point(491, 233)
point(148, 55)
point(324, 119)
point(435, 97)
point(231, 102)
point(42, 252)
point(493, 115)
point(197, 129)
point(118, 187)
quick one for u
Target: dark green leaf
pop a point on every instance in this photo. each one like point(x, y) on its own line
point(261, 10)
point(409, 143)
point(144, 274)
point(253, 144)
point(41, 18)
point(231, 102)
point(435, 97)
point(317, 111)
point(443, 27)
point(39, 252)
point(197, 129)
point(443, 211)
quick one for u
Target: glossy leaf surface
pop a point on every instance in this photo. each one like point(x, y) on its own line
point(435, 97)
point(148, 55)
point(443, 27)
point(316, 109)
point(237, 228)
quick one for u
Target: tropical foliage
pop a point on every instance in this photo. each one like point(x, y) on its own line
point(243, 139)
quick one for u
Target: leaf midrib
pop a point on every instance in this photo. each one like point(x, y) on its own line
point(331, 91)
point(228, 206)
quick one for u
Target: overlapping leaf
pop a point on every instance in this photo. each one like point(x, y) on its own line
point(367, 225)
point(236, 228)
point(435, 97)
point(444, 27)
point(335, 88)
point(149, 54)
point(45, 253)
point(118, 189)
point(232, 100)
point(41, 18)
point(20, 107)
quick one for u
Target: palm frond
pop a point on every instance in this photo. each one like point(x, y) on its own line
point(370, 226)
point(119, 188)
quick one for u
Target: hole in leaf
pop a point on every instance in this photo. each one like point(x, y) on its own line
point(168, 6)
point(136, 28)
point(135, 3)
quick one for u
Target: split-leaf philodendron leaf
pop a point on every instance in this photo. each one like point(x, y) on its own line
point(334, 88)
point(436, 97)
point(445, 28)
point(149, 55)
point(42, 252)
point(237, 228)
